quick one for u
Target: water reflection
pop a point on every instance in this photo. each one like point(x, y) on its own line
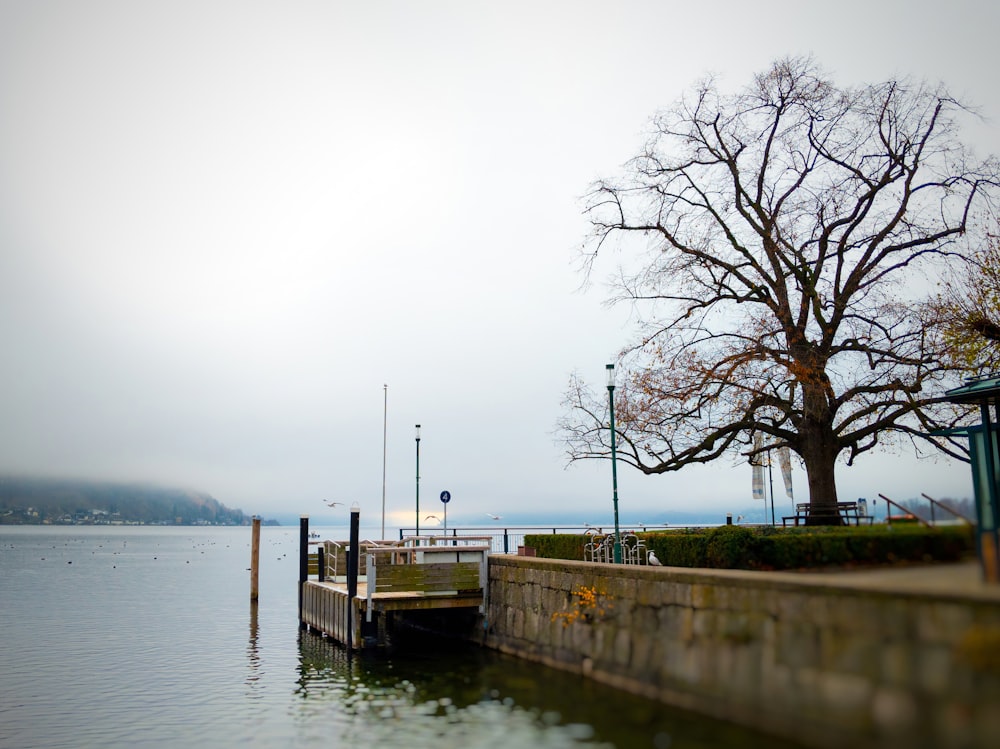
point(144, 640)
point(435, 691)
point(253, 654)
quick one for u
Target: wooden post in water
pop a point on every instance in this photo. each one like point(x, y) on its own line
point(254, 557)
point(352, 575)
point(303, 558)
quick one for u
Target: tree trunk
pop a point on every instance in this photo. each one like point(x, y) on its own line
point(819, 450)
point(822, 492)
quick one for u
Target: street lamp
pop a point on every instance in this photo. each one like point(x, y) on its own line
point(385, 425)
point(614, 462)
point(418, 479)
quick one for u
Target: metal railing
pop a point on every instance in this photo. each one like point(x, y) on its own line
point(506, 540)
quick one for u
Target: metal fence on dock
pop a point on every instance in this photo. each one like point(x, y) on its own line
point(506, 540)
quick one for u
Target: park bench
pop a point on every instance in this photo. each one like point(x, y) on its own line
point(848, 512)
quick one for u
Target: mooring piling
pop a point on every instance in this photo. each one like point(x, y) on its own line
point(352, 573)
point(303, 558)
point(254, 558)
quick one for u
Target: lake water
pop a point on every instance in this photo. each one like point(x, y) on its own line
point(132, 637)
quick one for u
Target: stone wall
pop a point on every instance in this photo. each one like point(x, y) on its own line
point(786, 653)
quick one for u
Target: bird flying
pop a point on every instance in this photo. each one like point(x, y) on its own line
point(332, 504)
point(494, 517)
point(651, 558)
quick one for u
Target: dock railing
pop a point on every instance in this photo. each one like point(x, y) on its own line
point(507, 539)
point(429, 566)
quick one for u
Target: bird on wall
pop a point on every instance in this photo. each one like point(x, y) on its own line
point(651, 558)
point(333, 504)
point(494, 517)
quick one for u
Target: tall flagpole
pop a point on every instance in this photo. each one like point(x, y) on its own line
point(770, 477)
point(385, 422)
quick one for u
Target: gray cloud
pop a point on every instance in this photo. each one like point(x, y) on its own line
point(223, 226)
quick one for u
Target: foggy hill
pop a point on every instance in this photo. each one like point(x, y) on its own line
point(35, 500)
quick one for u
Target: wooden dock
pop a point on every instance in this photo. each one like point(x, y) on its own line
point(394, 578)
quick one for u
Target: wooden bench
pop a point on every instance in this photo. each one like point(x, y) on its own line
point(847, 512)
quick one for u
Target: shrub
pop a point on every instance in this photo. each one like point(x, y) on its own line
point(731, 547)
point(557, 545)
point(767, 548)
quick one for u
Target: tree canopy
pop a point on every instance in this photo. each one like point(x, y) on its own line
point(779, 245)
point(968, 307)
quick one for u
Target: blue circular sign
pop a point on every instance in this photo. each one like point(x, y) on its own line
point(446, 497)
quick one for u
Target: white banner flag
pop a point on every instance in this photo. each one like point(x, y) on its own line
point(757, 461)
point(785, 461)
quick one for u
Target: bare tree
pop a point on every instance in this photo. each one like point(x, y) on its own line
point(776, 244)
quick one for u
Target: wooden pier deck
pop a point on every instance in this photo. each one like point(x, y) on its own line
point(416, 574)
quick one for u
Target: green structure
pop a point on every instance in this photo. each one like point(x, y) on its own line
point(985, 456)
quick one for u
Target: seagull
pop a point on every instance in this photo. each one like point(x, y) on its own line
point(433, 517)
point(494, 517)
point(333, 504)
point(653, 560)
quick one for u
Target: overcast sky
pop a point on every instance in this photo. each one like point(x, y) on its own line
point(225, 226)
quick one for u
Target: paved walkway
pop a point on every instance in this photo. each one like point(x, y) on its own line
point(963, 579)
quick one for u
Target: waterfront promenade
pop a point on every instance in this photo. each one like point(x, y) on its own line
point(957, 580)
point(880, 657)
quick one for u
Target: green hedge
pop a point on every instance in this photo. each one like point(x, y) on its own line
point(740, 547)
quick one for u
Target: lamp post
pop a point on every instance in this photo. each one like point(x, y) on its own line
point(418, 479)
point(385, 424)
point(614, 462)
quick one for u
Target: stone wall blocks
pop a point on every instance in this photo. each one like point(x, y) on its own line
point(741, 628)
point(798, 645)
point(937, 622)
point(934, 670)
point(704, 624)
point(896, 664)
point(810, 606)
point(678, 593)
point(581, 638)
point(622, 589)
point(531, 597)
point(890, 669)
point(531, 625)
point(893, 618)
point(986, 725)
point(850, 653)
point(622, 647)
point(518, 624)
point(893, 710)
point(674, 623)
point(553, 599)
point(703, 595)
point(643, 657)
point(849, 695)
point(649, 592)
point(843, 613)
